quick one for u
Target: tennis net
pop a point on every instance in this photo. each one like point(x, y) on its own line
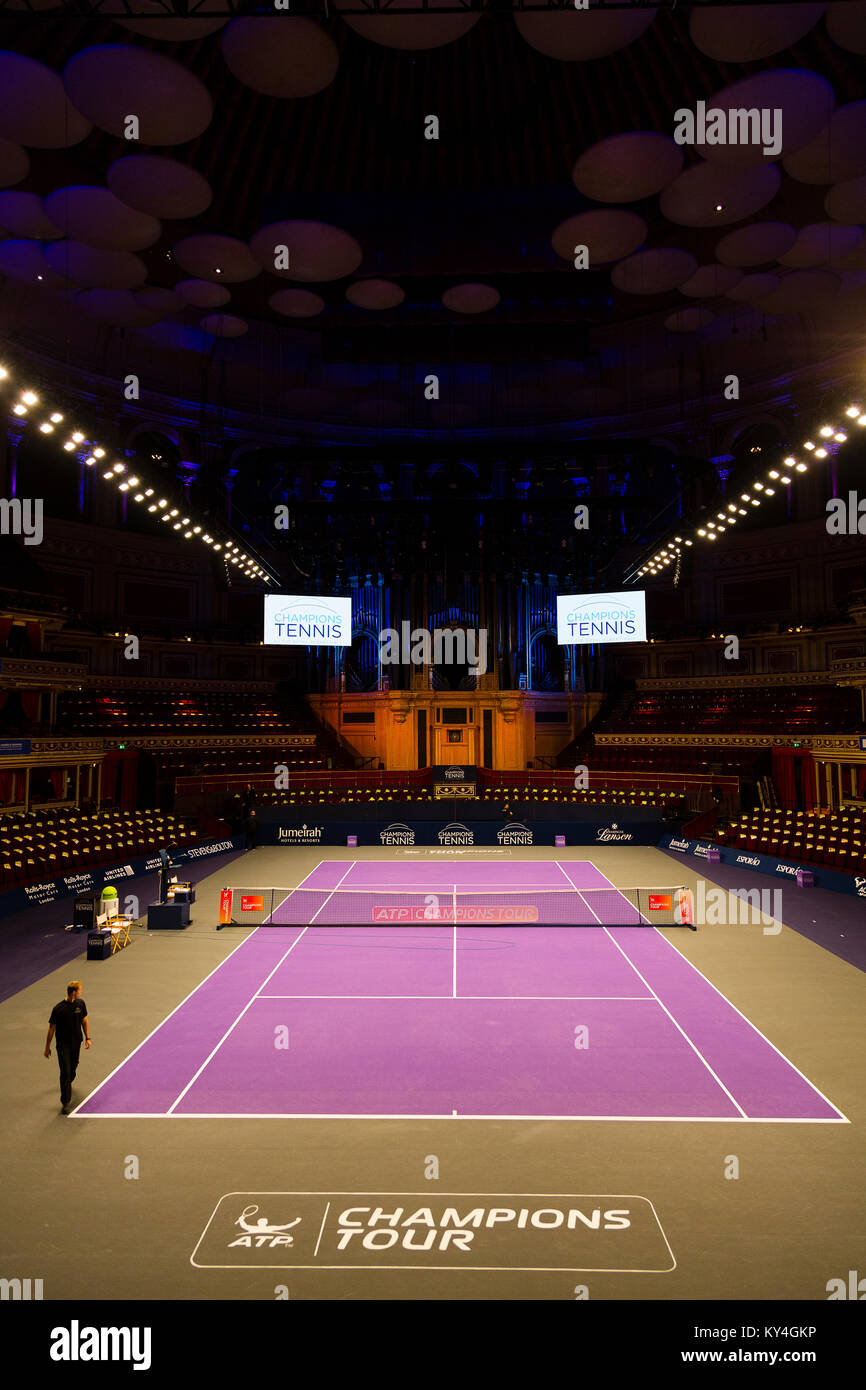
point(558, 907)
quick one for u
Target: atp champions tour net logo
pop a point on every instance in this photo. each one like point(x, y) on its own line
point(414, 1230)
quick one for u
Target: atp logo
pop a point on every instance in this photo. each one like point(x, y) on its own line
point(261, 1233)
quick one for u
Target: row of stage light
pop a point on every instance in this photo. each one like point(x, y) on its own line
point(784, 475)
point(128, 482)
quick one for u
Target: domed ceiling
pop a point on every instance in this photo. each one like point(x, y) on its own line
point(333, 204)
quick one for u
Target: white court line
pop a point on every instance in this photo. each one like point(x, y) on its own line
point(755, 1029)
point(420, 1115)
point(454, 967)
point(331, 894)
point(505, 998)
point(250, 1001)
point(570, 880)
point(692, 1045)
point(165, 1020)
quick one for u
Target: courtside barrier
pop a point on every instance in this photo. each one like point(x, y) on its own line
point(738, 858)
point(51, 890)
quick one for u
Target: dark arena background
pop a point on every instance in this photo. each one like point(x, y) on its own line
point(433, 669)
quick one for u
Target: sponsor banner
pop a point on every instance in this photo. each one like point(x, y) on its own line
point(9, 746)
point(35, 894)
point(252, 903)
point(397, 833)
point(225, 916)
point(739, 858)
point(462, 833)
point(584, 619)
point(300, 834)
point(298, 620)
point(446, 1230)
point(455, 779)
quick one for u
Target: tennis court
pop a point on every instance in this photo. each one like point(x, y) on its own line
point(458, 1013)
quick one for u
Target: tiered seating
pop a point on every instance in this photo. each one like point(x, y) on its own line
point(726, 762)
point(48, 844)
point(509, 791)
point(210, 762)
point(312, 796)
point(835, 838)
point(805, 709)
point(167, 712)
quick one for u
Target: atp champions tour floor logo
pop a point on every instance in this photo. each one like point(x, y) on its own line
point(417, 1230)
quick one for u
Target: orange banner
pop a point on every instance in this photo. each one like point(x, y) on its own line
point(225, 906)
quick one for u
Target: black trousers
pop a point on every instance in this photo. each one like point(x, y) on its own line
point(67, 1056)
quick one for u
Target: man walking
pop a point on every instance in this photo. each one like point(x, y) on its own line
point(68, 1018)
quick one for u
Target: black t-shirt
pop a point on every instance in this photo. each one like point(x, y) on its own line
point(66, 1017)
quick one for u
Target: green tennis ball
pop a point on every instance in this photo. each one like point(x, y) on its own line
point(109, 892)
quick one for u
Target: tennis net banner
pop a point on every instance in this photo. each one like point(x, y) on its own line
point(558, 907)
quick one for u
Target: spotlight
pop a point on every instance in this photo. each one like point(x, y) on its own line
point(99, 453)
point(78, 437)
point(30, 398)
point(56, 418)
point(46, 428)
point(119, 467)
point(819, 454)
point(852, 412)
point(841, 436)
point(826, 431)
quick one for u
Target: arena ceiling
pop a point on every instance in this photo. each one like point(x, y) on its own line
point(408, 255)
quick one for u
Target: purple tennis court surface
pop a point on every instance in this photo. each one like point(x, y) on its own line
point(448, 1020)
